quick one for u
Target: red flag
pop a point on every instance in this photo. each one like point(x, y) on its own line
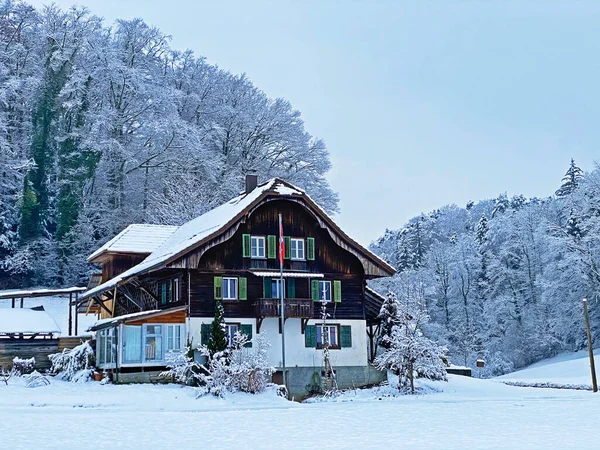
point(281, 243)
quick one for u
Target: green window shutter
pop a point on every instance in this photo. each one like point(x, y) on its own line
point(243, 288)
point(310, 249)
point(271, 247)
point(337, 291)
point(287, 251)
point(310, 336)
point(315, 290)
point(205, 330)
point(345, 336)
point(291, 287)
point(267, 288)
point(247, 330)
point(218, 288)
point(246, 245)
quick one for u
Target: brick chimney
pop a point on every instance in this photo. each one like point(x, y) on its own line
point(251, 183)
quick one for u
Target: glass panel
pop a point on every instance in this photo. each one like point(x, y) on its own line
point(229, 288)
point(231, 330)
point(258, 247)
point(101, 346)
point(325, 290)
point(132, 344)
point(153, 348)
point(275, 288)
point(319, 336)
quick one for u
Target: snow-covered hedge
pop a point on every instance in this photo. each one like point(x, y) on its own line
point(74, 364)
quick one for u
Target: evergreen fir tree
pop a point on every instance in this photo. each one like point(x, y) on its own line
point(218, 337)
point(388, 314)
point(570, 181)
point(482, 230)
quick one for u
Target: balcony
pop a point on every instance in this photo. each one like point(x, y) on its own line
point(295, 308)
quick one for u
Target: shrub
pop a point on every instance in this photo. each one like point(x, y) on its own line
point(74, 364)
point(22, 366)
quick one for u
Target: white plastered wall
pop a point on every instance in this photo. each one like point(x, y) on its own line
point(297, 355)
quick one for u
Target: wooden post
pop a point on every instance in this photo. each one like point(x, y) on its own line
point(21, 302)
point(70, 314)
point(76, 311)
point(13, 302)
point(590, 349)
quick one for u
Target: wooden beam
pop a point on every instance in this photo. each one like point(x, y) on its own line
point(13, 303)
point(76, 312)
point(21, 302)
point(70, 314)
point(259, 321)
point(130, 298)
point(303, 323)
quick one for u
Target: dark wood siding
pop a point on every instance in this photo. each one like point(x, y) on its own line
point(117, 264)
point(297, 222)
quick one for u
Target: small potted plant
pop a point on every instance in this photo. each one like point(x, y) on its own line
point(98, 376)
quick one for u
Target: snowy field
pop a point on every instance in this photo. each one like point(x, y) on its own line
point(464, 413)
point(57, 308)
point(568, 370)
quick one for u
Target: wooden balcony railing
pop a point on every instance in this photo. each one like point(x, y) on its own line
point(294, 307)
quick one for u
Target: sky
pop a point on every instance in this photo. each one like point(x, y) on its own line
point(421, 104)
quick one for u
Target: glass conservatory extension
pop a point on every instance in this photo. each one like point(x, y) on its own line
point(138, 345)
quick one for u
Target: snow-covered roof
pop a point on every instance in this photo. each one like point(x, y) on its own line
point(136, 238)
point(27, 320)
point(212, 223)
point(28, 293)
point(113, 321)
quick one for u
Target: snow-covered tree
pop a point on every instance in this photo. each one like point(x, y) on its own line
point(217, 341)
point(570, 181)
point(409, 353)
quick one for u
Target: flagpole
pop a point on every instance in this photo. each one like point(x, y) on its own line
point(281, 256)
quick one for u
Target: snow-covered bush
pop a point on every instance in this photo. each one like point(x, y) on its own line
point(22, 366)
point(238, 368)
point(182, 368)
point(74, 364)
point(36, 379)
point(5, 375)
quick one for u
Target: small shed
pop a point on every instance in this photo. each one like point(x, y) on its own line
point(26, 333)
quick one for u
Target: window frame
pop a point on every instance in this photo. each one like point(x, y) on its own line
point(227, 335)
point(264, 246)
point(171, 288)
point(154, 335)
point(236, 294)
point(329, 283)
point(292, 249)
point(175, 338)
point(338, 330)
point(277, 282)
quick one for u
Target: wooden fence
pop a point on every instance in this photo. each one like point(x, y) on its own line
point(27, 348)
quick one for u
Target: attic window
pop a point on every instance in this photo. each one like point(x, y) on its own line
point(257, 246)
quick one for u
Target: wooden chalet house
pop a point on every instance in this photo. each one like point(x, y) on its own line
point(159, 286)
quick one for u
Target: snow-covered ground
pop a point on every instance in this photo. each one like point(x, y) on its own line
point(463, 413)
point(568, 370)
point(57, 308)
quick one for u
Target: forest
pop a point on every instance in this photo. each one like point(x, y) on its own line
point(503, 279)
point(106, 125)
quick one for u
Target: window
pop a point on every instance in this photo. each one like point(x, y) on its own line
point(331, 332)
point(230, 288)
point(132, 344)
point(173, 337)
point(169, 291)
point(231, 329)
point(275, 288)
point(325, 291)
point(257, 246)
point(153, 343)
point(297, 248)
point(107, 345)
